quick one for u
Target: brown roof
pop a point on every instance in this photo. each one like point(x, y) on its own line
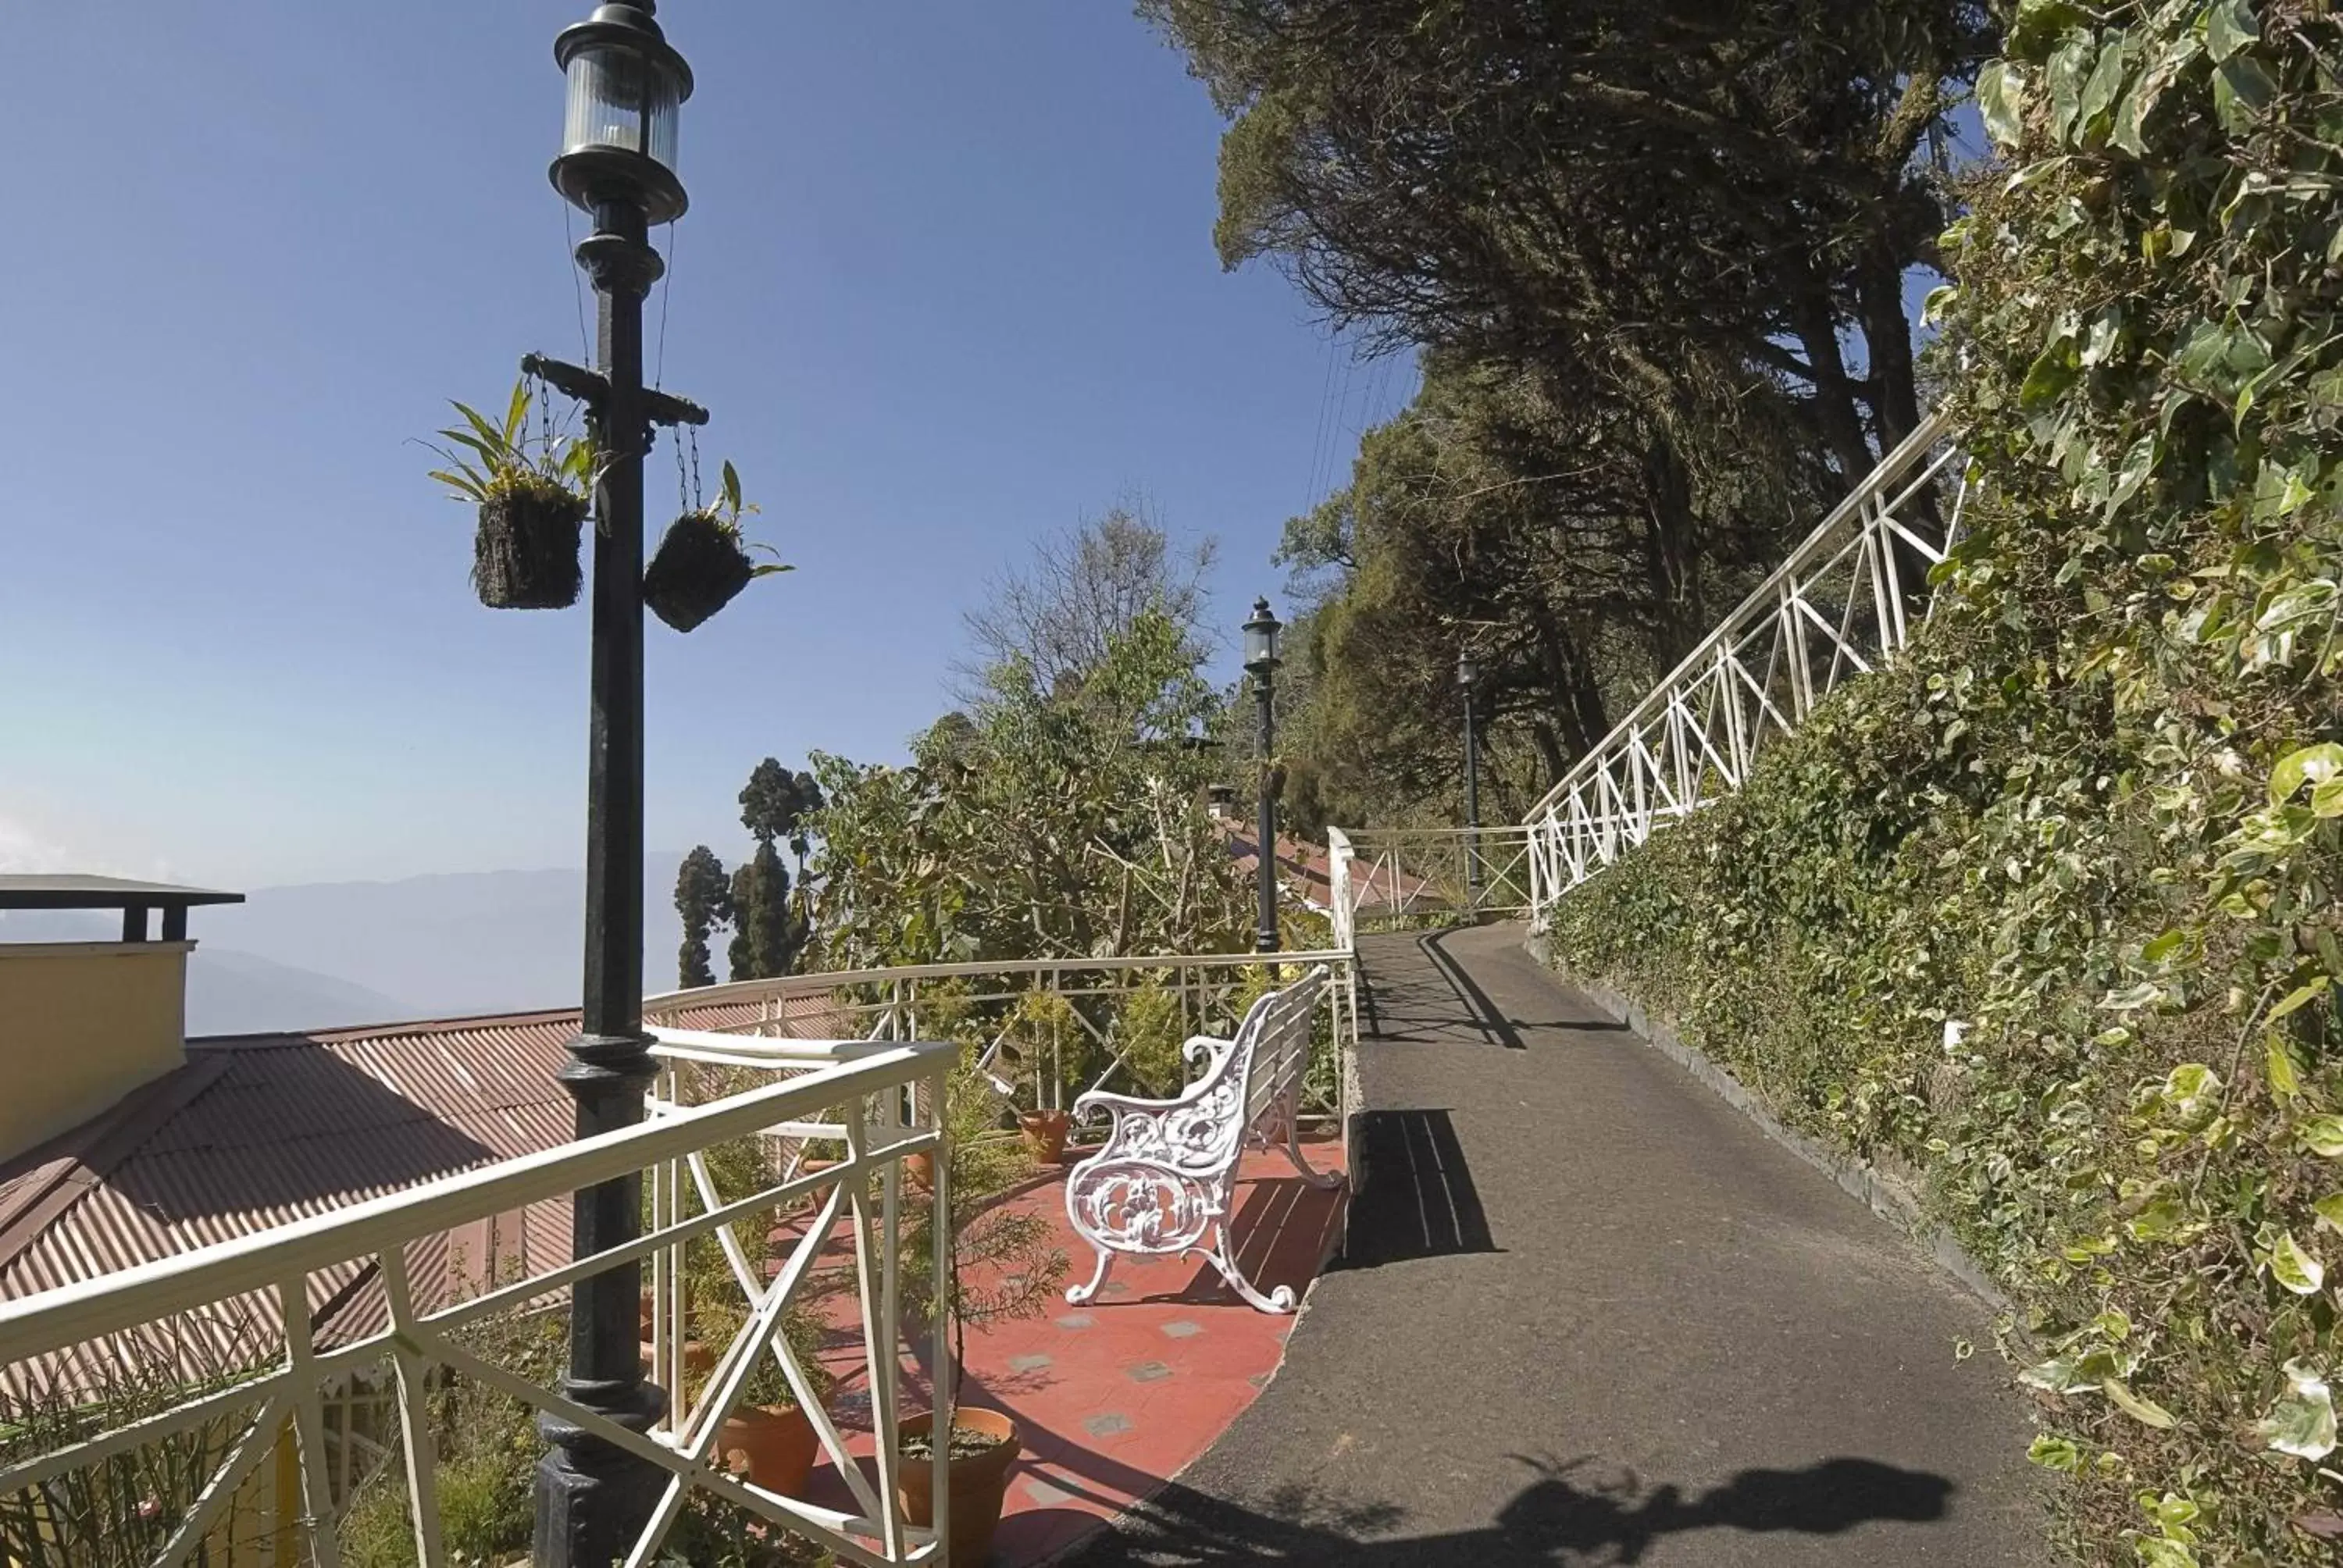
point(259, 1130)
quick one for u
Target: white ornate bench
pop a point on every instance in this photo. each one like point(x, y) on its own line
point(1168, 1173)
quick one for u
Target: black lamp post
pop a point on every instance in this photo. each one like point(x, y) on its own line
point(1468, 674)
point(618, 163)
point(1261, 662)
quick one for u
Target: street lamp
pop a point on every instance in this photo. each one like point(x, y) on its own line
point(1468, 674)
point(626, 84)
point(1261, 662)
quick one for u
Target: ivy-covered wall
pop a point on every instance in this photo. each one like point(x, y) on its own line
point(2047, 911)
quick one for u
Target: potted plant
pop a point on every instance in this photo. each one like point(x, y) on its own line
point(703, 561)
point(531, 498)
point(1045, 1133)
point(989, 1242)
point(769, 1435)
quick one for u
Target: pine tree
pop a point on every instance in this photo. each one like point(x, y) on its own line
point(703, 897)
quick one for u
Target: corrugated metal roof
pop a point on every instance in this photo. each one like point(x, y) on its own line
point(258, 1131)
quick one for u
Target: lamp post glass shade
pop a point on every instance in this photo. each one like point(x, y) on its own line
point(1467, 672)
point(1261, 638)
point(625, 87)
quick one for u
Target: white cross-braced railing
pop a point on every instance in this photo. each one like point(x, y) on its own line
point(1839, 605)
point(882, 1102)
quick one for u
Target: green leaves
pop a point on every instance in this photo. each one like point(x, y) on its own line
point(2145, 1412)
point(2314, 765)
point(2230, 27)
point(2301, 1422)
point(495, 455)
point(2292, 1267)
point(2001, 102)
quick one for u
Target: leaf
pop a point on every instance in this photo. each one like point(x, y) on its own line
point(517, 411)
point(2330, 1211)
point(2056, 1375)
point(2132, 997)
point(2322, 1135)
point(2107, 80)
point(2279, 1063)
point(2147, 1411)
point(2300, 996)
point(2054, 1452)
point(2001, 102)
point(2242, 89)
point(2230, 27)
point(2295, 1269)
point(731, 486)
point(2317, 764)
point(2191, 1090)
point(2302, 1420)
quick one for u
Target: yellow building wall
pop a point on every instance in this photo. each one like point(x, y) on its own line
point(82, 1024)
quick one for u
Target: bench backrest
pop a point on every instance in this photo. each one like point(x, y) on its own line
point(1280, 1025)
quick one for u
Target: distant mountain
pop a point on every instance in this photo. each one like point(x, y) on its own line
point(228, 991)
point(463, 942)
point(232, 993)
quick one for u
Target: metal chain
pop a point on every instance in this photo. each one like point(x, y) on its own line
point(682, 491)
point(698, 504)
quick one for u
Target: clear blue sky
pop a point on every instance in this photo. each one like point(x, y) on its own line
point(947, 282)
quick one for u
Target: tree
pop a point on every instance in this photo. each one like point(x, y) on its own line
point(1660, 194)
point(1065, 821)
point(1051, 623)
point(1492, 517)
point(770, 922)
point(703, 897)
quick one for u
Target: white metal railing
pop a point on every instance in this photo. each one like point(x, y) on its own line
point(1410, 873)
point(882, 1102)
point(1836, 608)
point(1026, 1019)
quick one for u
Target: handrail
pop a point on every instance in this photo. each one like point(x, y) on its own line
point(812, 984)
point(1833, 609)
point(110, 1303)
point(1755, 605)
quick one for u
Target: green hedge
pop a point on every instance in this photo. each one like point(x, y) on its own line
point(2046, 911)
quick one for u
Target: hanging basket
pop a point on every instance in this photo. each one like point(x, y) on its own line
point(698, 568)
point(525, 554)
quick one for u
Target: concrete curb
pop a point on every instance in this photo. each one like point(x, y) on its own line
point(1887, 1197)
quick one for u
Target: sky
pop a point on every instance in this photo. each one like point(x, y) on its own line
point(947, 285)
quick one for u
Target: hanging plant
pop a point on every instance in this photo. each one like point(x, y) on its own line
point(531, 493)
point(704, 562)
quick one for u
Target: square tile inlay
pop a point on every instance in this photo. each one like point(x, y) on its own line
point(1184, 1329)
point(1028, 1364)
point(1147, 1371)
point(1076, 1320)
point(1047, 1496)
point(1107, 1425)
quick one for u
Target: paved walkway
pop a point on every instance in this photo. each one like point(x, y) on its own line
point(1591, 1315)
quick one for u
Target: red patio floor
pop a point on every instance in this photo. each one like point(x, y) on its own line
point(1115, 1398)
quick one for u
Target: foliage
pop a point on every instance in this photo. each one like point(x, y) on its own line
point(1629, 194)
point(703, 897)
point(505, 455)
point(1654, 253)
point(488, 1448)
point(2045, 912)
point(771, 921)
point(1496, 517)
point(1051, 622)
point(123, 1509)
point(1064, 823)
point(727, 512)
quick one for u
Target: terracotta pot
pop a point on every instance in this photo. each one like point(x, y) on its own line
point(922, 1169)
point(1045, 1134)
point(696, 1357)
point(978, 1483)
point(778, 1445)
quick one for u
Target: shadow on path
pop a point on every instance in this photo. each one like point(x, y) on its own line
point(1416, 1197)
point(1550, 1520)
